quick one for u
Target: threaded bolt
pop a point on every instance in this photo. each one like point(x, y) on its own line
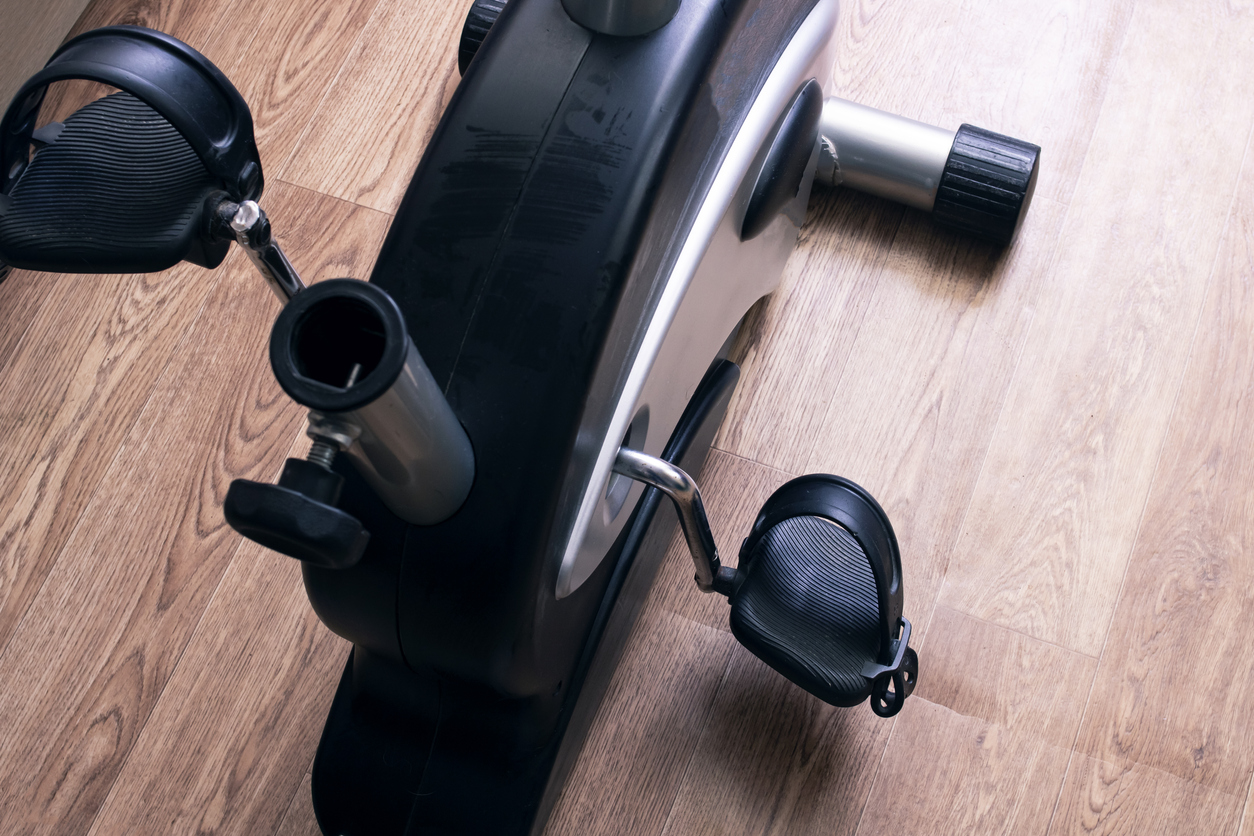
point(322, 452)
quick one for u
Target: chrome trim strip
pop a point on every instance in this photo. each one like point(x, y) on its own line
point(805, 57)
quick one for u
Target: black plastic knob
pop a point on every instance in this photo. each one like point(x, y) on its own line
point(297, 517)
point(478, 21)
point(987, 184)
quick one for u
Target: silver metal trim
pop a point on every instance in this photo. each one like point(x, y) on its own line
point(252, 233)
point(407, 444)
point(715, 279)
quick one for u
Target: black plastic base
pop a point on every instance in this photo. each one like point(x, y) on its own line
point(448, 757)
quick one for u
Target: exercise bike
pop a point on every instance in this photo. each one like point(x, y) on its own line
point(505, 417)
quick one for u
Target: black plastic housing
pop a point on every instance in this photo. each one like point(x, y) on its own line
point(535, 236)
point(327, 328)
point(166, 74)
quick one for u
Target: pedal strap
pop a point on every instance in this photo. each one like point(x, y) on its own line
point(173, 79)
point(820, 594)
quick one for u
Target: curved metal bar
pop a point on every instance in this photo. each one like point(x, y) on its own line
point(683, 491)
point(252, 233)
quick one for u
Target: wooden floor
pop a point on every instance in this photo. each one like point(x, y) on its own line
point(1061, 434)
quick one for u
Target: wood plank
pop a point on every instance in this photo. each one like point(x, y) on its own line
point(877, 45)
point(22, 296)
point(1101, 798)
point(31, 33)
point(233, 734)
point(309, 43)
point(733, 490)
point(813, 317)
point(1170, 692)
point(191, 21)
point(300, 819)
point(86, 367)
point(774, 759)
point(989, 779)
point(1039, 72)
point(653, 713)
point(1057, 505)
point(115, 615)
point(912, 415)
point(1036, 72)
point(1004, 710)
point(371, 128)
point(1247, 816)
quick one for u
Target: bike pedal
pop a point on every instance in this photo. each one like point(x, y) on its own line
point(818, 595)
point(118, 191)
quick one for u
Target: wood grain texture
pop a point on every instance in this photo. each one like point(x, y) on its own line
point(307, 44)
point(775, 760)
point(300, 819)
point(1040, 71)
point(989, 780)
point(1060, 434)
point(363, 146)
point(1057, 507)
point(816, 314)
point(653, 713)
point(187, 775)
point(1170, 692)
point(22, 295)
point(912, 415)
point(132, 582)
point(70, 394)
point(1101, 798)
point(981, 670)
point(1004, 753)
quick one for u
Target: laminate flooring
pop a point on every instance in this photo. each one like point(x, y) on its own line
point(1061, 433)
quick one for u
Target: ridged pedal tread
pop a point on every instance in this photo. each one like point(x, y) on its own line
point(808, 607)
point(119, 191)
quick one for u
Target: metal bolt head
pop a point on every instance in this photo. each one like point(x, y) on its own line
point(246, 216)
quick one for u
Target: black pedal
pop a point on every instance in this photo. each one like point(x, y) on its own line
point(118, 191)
point(130, 182)
point(820, 595)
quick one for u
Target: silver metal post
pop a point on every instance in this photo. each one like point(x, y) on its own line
point(252, 232)
point(881, 153)
point(683, 491)
point(407, 444)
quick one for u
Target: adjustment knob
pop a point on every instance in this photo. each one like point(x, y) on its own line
point(298, 517)
point(987, 184)
point(478, 21)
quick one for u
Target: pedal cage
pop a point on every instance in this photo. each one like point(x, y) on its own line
point(123, 186)
point(819, 597)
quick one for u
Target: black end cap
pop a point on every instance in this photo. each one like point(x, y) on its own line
point(293, 524)
point(480, 18)
point(987, 184)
